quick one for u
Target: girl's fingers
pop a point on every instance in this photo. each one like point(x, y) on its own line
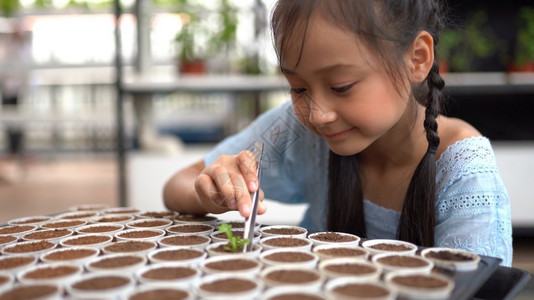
point(248, 167)
point(224, 188)
point(206, 190)
point(261, 207)
point(229, 183)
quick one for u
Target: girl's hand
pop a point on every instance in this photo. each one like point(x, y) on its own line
point(228, 182)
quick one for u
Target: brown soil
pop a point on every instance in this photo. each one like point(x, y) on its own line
point(159, 294)
point(403, 261)
point(342, 252)
point(361, 290)
point(113, 219)
point(448, 255)
point(141, 234)
point(169, 273)
point(285, 242)
point(193, 218)
point(147, 224)
point(333, 237)
point(419, 280)
point(30, 247)
point(350, 268)
point(63, 224)
point(47, 234)
point(189, 228)
point(51, 272)
point(100, 283)
point(116, 262)
point(30, 221)
point(236, 224)
point(284, 231)
point(232, 285)
point(129, 246)
point(292, 276)
point(239, 224)
point(7, 239)
point(70, 254)
point(90, 207)
point(14, 262)
point(121, 211)
point(289, 256)
point(30, 292)
point(15, 229)
point(232, 265)
point(184, 240)
point(155, 214)
point(87, 240)
point(390, 247)
point(296, 296)
point(177, 254)
point(100, 229)
point(79, 216)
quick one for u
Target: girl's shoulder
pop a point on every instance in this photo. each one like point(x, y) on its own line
point(453, 130)
point(464, 152)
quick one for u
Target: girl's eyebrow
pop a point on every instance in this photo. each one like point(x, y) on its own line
point(287, 71)
point(325, 69)
point(333, 67)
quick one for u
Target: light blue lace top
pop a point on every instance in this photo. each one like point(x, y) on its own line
point(472, 209)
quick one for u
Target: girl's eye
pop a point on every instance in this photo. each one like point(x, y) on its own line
point(343, 89)
point(297, 90)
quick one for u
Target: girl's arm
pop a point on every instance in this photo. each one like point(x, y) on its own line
point(179, 192)
point(473, 207)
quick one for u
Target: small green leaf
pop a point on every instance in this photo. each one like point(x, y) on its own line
point(235, 243)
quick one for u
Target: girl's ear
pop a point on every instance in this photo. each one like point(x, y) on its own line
point(420, 57)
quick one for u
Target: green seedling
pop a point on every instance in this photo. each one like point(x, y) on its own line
point(235, 243)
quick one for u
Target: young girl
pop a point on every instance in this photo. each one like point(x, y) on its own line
point(362, 140)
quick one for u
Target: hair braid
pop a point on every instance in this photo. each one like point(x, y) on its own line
point(433, 108)
point(421, 194)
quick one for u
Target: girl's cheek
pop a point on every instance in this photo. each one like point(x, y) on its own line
point(302, 110)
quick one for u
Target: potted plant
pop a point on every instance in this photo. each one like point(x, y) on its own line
point(9, 7)
point(204, 33)
point(524, 48)
point(460, 47)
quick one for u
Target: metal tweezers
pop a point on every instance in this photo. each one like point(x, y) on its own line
point(251, 220)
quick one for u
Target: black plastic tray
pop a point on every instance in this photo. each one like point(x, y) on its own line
point(468, 283)
point(505, 283)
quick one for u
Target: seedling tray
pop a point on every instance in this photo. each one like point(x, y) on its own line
point(467, 283)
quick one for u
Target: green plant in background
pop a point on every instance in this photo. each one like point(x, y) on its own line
point(448, 40)
point(9, 7)
point(461, 46)
point(205, 33)
point(524, 49)
point(190, 48)
point(235, 243)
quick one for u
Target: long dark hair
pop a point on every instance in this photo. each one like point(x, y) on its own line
point(387, 28)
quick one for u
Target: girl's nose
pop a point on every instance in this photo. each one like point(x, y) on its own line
point(321, 114)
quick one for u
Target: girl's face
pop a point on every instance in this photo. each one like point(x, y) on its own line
point(338, 89)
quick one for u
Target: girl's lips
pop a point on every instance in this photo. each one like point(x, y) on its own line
point(339, 135)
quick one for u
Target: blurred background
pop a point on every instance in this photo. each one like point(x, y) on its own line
point(103, 100)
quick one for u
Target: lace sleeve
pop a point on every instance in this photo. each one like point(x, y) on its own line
point(473, 208)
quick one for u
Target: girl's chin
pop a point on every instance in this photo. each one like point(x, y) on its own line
point(344, 151)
